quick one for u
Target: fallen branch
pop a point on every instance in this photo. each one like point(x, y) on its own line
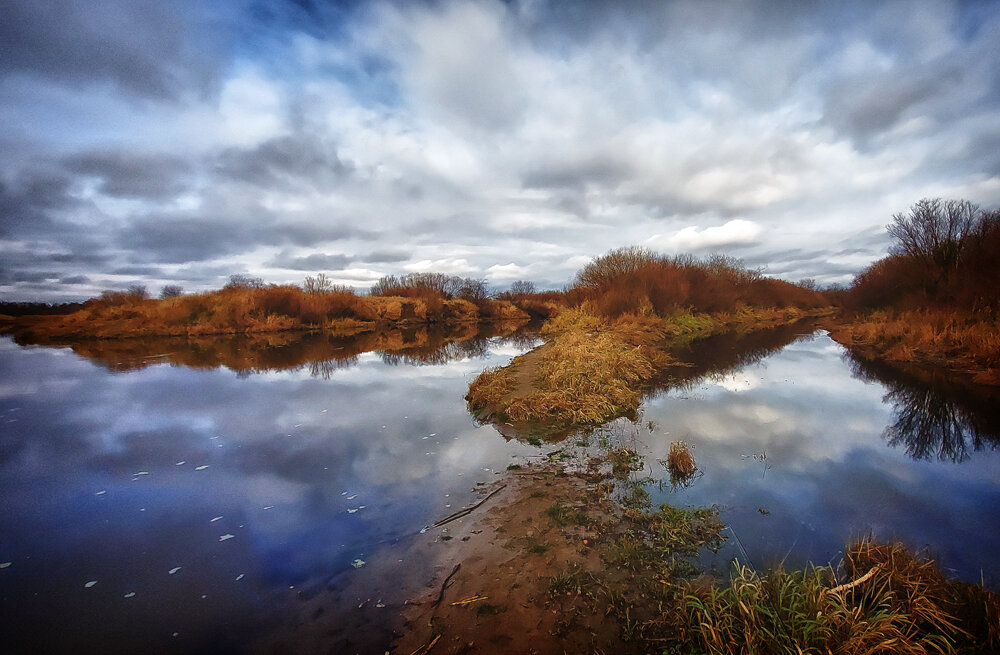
point(444, 584)
point(851, 585)
point(469, 600)
point(468, 510)
point(423, 650)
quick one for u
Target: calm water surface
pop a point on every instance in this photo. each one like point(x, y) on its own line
point(150, 506)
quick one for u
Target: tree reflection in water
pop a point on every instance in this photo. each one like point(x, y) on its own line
point(934, 417)
point(321, 353)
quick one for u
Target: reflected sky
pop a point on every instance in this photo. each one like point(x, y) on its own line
point(121, 478)
point(803, 438)
point(200, 500)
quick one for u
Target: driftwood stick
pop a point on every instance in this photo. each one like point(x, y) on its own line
point(468, 510)
point(852, 585)
point(423, 650)
point(444, 584)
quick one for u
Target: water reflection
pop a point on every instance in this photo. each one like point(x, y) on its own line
point(123, 478)
point(321, 353)
point(792, 449)
point(934, 416)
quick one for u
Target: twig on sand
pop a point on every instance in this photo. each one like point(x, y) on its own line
point(444, 584)
point(468, 510)
point(469, 600)
point(423, 650)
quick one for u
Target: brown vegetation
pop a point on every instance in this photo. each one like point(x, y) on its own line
point(680, 463)
point(246, 306)
point(934, 299)
point(557, 565)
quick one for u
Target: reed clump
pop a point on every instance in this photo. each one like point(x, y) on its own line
point(680, 464)
point(891, 602)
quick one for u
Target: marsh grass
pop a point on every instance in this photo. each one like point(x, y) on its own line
point(947, 337)
point(892, 602)
point(680, 464)
point(563, 515)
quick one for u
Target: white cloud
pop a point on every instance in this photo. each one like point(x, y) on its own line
point(505, 272)
point(736, 231)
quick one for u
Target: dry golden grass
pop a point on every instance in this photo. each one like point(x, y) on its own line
point(680, 463)
point(250, 310)
point(892, 602)
point(594, 369)
point(953, 339)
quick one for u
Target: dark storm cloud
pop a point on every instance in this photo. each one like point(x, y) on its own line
point(26, 202)
point(75, 279)
point(388, 256)
point(866, 107)
point(180, 239)
point(133, 175)
point(286, 162)
point(154, 271)
point(314, 262)
point(153, 49)
point(602, 171)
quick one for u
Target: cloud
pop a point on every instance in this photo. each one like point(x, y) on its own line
point(314, 262)
point(481, 137)
point(735, 232)
point(288, 162)
point(504, 272)
point(152, 49)
point(133, 175)
point(447, 265)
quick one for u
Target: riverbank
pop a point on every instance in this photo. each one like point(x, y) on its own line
point(964, 344)
point(593, 369)
point(563, 561)
point(252, 311)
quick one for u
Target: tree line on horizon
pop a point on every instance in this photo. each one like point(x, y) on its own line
point(946, 254)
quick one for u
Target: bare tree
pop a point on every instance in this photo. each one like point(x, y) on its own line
point(244, 281)
point(319, 284)
point(935, 231)
point(616, 263)
point(137, 291)
point(171, 291)
point(520, 288)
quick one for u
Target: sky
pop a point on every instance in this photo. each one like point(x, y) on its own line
point(182, 142)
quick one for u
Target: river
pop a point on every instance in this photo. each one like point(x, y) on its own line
point(190, 497)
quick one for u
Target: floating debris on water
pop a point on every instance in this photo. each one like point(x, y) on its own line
point(130, 594)
point(226, 537)
point(217, 518)
point(141, 473)
point(174, 570)
point(202, 467)
point(90, 584)
point(351, 511)
point(358, 563)
point(266, 508)
point(181, 463)
point(101, 492)
point(352, 496)
point(239, 577)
